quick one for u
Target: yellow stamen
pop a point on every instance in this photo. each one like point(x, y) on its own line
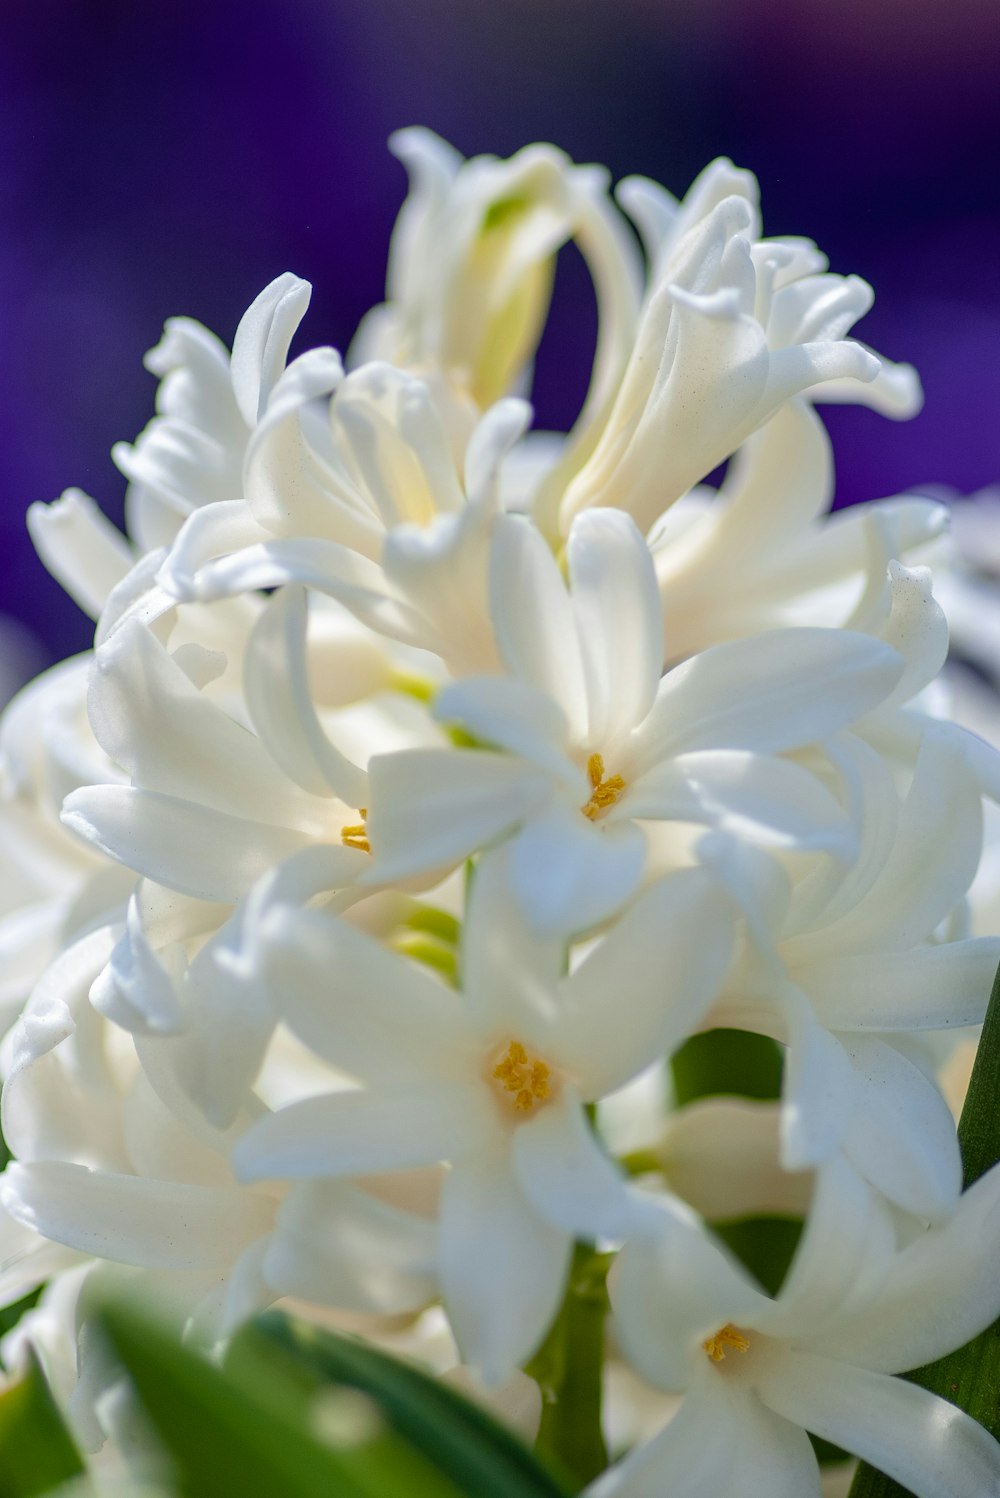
point(524, 1076)
point(728, 1337)
point(604, 793)
point(356, 836)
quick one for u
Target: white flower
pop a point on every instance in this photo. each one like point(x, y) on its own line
point(762, 551)
point(591, 742)
point(471, 265)
point(844, 970)
point(758, 1373)
point(52, 885)
point(372, 507)
point(492, 1081)
point(733, 327)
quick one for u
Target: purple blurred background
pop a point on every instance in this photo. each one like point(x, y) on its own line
point(173, 159)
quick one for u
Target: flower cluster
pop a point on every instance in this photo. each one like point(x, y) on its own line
point(433, 781)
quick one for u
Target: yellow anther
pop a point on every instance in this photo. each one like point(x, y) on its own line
point(603, 793)
point(524, 1076)
point(356, 836)
point(717, 1346)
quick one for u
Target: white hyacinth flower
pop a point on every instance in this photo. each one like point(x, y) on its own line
point(493, 1081)
point(758, 1373)
point(588, 742)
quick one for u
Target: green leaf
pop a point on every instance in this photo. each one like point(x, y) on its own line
point(260, 1436)
point(480, 1456)
point(969, 1377)
point(36, 1451)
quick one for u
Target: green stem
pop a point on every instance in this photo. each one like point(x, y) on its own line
point(969, 1377)
point(569, 1366)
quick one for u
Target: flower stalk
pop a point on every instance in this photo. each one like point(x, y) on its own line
point(568, 1368)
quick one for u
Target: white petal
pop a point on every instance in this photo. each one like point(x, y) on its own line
point(340, 1246)
point(949, 1272)
point(932, 861)
point(933, 987)
point(510, 973)
point(842, 1259)
point(187, 847)
point(357, 1133)
point(280, 703)
point(566, 1175)
point(761, 693)
point(173, 739)
point(697, 1454)
point(327, 566)
point(262, 340)
point(80, 547)
point(533, 618)
point(153, 1224)
point(664, 960)
point(514, 716)
point(931, 1448)
point(431, 808)
point(819, 1090)
point(616, 604)
point(503, 1268)
point(503, 425)
point(569, 874)
point(659, 1330)
point(137, 988)
point(720, 1155)
point(344, 994)
point(902, 1134)
point(768, 800)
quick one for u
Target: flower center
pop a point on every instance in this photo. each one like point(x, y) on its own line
point(525, 1077)
point(727, 1337)
point(356, 835)
point(604, 793)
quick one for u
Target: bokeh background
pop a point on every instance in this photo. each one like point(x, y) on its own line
point(161, 159)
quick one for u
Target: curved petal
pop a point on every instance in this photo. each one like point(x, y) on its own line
point(510, 974)
point(664, 960)
point(949, 1272)
point(503, 1268)
point(566, 1175)
point(933, 987)
point(533, 618)
point(842, 1260)
point(512, 715)
point(819, 1089)
point(262, 339)
point(337, 1245)
point(902, 1135)
point(187, 847)
point(80, 547)
point(431, 808)
point(659, 1329)
point(756, 796)
point(569, 874)
point(698, 1452)
point(359, 1133)
point(761, 693)
point(280, 703)
point(171, 738)
point(361, 1007)
point(616, 606)
point(931, 1448)
point(932, 861)
point(153, 1224)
